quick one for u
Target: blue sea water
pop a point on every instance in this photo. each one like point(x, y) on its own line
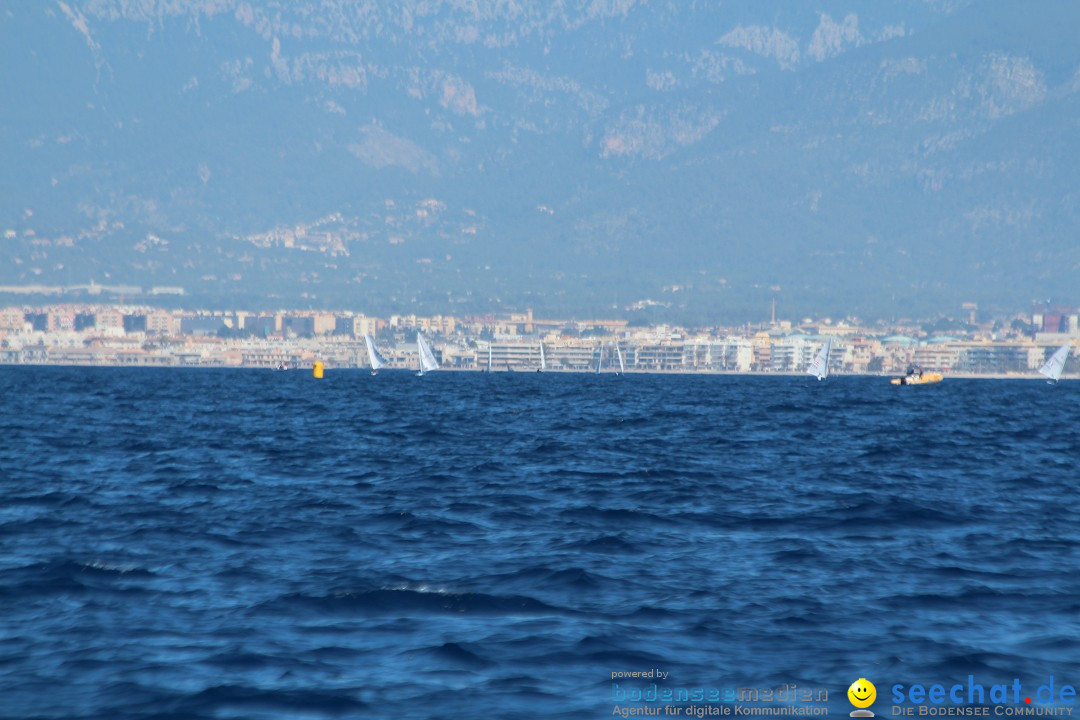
point(253, 544)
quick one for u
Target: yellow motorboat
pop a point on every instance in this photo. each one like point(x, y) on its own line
point(923, 379)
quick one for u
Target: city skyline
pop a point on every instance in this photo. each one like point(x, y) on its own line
point(1015, 345)
point(176, 298)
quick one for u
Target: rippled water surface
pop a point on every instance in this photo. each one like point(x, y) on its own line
point(197, 544)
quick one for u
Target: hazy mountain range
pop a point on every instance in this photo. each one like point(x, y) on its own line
point(695, 158)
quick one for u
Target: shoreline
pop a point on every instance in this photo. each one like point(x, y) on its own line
point(1033, 375)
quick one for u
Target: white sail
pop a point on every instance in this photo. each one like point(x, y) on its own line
point(374, 357)
point(819, 368)
point(489, 357)
point(622, 367)
point(600, 362)
point(543, 363)
point(427, 360)
point(1053, 367)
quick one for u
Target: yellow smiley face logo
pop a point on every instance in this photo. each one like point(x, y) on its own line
point(862, 693)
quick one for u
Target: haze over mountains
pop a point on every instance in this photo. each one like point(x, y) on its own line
point(876, 159)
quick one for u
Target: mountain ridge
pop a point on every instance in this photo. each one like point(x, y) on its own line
point(866, 161)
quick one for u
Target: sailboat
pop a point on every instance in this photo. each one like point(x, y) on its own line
point(427, 360)
point(819, 368)
point(1053, 367)
point(489, 358)
point(622, 366)
point(543, 363)
point(375, 359)
point(600, 362)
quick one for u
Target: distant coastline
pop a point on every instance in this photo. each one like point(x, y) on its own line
point(140, 336)
point(629, 371)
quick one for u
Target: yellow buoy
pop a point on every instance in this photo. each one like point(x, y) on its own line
point(317, 371)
